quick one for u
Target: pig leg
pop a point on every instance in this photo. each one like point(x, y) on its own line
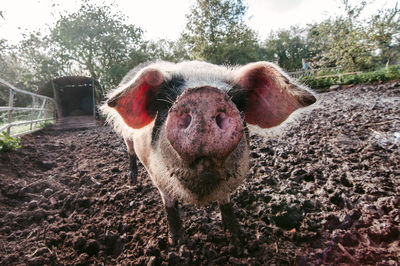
point(228, 218)
point(175, 232)
point(132, 161)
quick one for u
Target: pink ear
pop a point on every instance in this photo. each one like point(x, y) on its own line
point(135, 104)
point(270, 96)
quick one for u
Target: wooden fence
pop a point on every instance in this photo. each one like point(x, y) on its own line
point(313, 71)
point(24, 118)
point(333, 72)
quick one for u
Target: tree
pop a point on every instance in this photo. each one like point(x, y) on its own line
point(287, 48)
point(341, 41)
point(384, 34)
point(97, 41)
point(173, 51)
point(38, 57)
point(11, 67)
point(216, 32)
point(7, 72)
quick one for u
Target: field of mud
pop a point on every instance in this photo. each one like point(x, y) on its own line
point(326, 191)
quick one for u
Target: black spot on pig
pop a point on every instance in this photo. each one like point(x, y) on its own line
point(167, 95)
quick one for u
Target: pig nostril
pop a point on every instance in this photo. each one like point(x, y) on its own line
point(221, 120)
point(184, 121)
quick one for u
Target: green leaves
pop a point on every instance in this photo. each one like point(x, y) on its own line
point(354, 43)
point(384, 32)
point(287, 48)
point(380, 75)
point(8, 143)
point(216, 32)
point(98, 40)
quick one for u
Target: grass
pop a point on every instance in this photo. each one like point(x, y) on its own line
point(380, 75)
point(22, 129)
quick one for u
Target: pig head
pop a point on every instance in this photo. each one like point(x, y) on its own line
point(188, 123)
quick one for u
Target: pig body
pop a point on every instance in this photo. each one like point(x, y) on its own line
point(187, 123)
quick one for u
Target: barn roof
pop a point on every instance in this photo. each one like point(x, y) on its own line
point(67, 82)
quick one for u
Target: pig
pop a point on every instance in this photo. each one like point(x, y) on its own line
point(188, 123)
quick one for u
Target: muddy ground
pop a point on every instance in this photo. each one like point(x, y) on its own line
point(327, 191)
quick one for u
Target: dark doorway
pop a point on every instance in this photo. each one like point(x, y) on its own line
point(77, 98)
point(76, 101)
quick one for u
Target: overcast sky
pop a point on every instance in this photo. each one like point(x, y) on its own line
point(166, 18)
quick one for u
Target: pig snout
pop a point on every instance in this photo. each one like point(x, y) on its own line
point(204, 125)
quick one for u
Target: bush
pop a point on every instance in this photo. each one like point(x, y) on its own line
point(46, 124)
point(380, 75)
point(8, 143)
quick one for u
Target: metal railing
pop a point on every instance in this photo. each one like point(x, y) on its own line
point(25, 118)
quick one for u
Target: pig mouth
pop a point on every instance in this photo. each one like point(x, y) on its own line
point(204, 178)
point(200, 162)
point(205, 167)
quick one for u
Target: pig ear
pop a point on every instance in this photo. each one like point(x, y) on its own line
point(270, 96)
point(136, 103)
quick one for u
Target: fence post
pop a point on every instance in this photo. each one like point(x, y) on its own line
point(36, 102)
point(94, 100)
point(32, 111)
point(41, 111)
point(11, 105)
point(55, 97)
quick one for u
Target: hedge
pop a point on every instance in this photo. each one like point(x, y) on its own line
point(380, 75)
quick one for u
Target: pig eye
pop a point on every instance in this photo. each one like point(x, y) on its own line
point(184, 121)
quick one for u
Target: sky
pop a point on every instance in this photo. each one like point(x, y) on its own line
point(165, 19)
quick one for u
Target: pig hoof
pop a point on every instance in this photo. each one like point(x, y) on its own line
point(234, 227)
point(176, 239)
point(229, 220)
point(133, 177)
point(133, 169)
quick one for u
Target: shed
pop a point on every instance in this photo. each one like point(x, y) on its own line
point(76, 98)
